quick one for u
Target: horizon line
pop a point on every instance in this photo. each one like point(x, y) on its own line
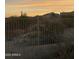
point(40, 14)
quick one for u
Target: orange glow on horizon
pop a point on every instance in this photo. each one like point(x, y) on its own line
point(39, 8)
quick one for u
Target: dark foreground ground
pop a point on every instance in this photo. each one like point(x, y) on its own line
point(50, 36)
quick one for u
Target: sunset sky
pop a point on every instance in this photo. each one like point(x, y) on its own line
point(37, 7)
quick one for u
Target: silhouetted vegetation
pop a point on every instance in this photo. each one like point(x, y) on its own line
point(52, 33)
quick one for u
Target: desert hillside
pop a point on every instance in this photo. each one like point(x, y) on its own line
point(50, 36)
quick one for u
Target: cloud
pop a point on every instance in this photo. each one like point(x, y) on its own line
point(38, 6)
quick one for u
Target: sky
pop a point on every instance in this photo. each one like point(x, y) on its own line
point(37, 7)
